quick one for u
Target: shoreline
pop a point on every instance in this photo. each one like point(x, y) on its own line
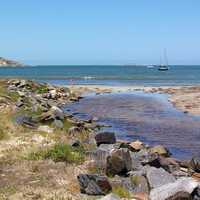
point(179, 96)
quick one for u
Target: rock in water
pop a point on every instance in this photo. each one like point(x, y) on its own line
point(105, 138)
point(118, 162)
point(158, 177)
point(92, 184)
point(179, 190)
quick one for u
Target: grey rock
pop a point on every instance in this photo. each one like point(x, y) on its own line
point(118, 162)
point(158, 177)
point(58, 124)
point(122, 182)
point(110, 196)
point(57, 112)
point(140, 184)
point(181, 188)
point(92, 184)
point(105, 138)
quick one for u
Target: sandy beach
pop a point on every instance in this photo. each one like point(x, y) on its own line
point(185, 98)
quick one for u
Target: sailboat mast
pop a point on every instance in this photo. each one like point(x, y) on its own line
point(165, 57)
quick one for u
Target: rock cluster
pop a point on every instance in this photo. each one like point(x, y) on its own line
point(145, 172)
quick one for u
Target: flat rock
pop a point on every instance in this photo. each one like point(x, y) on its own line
point(92, 184)
point(105, 138)
point(177, 190)
point(158, 177)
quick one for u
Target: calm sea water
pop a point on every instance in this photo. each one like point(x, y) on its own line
point(148, 117)
point(107, 75)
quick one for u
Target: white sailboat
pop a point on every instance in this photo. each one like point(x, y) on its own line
point(164, 66)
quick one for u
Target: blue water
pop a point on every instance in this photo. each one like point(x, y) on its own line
point(147, 117)
point(107, 75)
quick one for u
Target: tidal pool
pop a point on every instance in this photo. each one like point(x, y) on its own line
point(147, 117)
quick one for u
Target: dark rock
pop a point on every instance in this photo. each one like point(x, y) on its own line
point(92, 184)
point(158, 177)
point(118, 162)
point(105, 138)
point(196, 194)
point(195, 164)
point(76, 143)
point(180, 196)
point(26, 121)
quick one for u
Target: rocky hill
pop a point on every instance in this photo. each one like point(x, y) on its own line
point(9, 63)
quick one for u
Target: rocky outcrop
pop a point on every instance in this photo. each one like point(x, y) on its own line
point(9, 63)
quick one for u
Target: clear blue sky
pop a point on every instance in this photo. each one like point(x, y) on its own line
point(100, 31)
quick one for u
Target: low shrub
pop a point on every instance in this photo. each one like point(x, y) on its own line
point(60, 153)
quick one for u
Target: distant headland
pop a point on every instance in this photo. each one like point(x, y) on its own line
point(9, 63)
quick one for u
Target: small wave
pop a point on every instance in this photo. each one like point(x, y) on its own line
point(88, 77)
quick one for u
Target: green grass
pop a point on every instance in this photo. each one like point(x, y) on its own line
point(60, 153)
point(121, 192)
point(42, 89)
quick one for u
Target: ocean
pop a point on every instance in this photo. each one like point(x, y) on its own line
point(107, 74)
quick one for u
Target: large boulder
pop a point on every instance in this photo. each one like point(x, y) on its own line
point(92, 184)
point(105, 138)
point(158, 177)
point(118, 162)
point(179, 190)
